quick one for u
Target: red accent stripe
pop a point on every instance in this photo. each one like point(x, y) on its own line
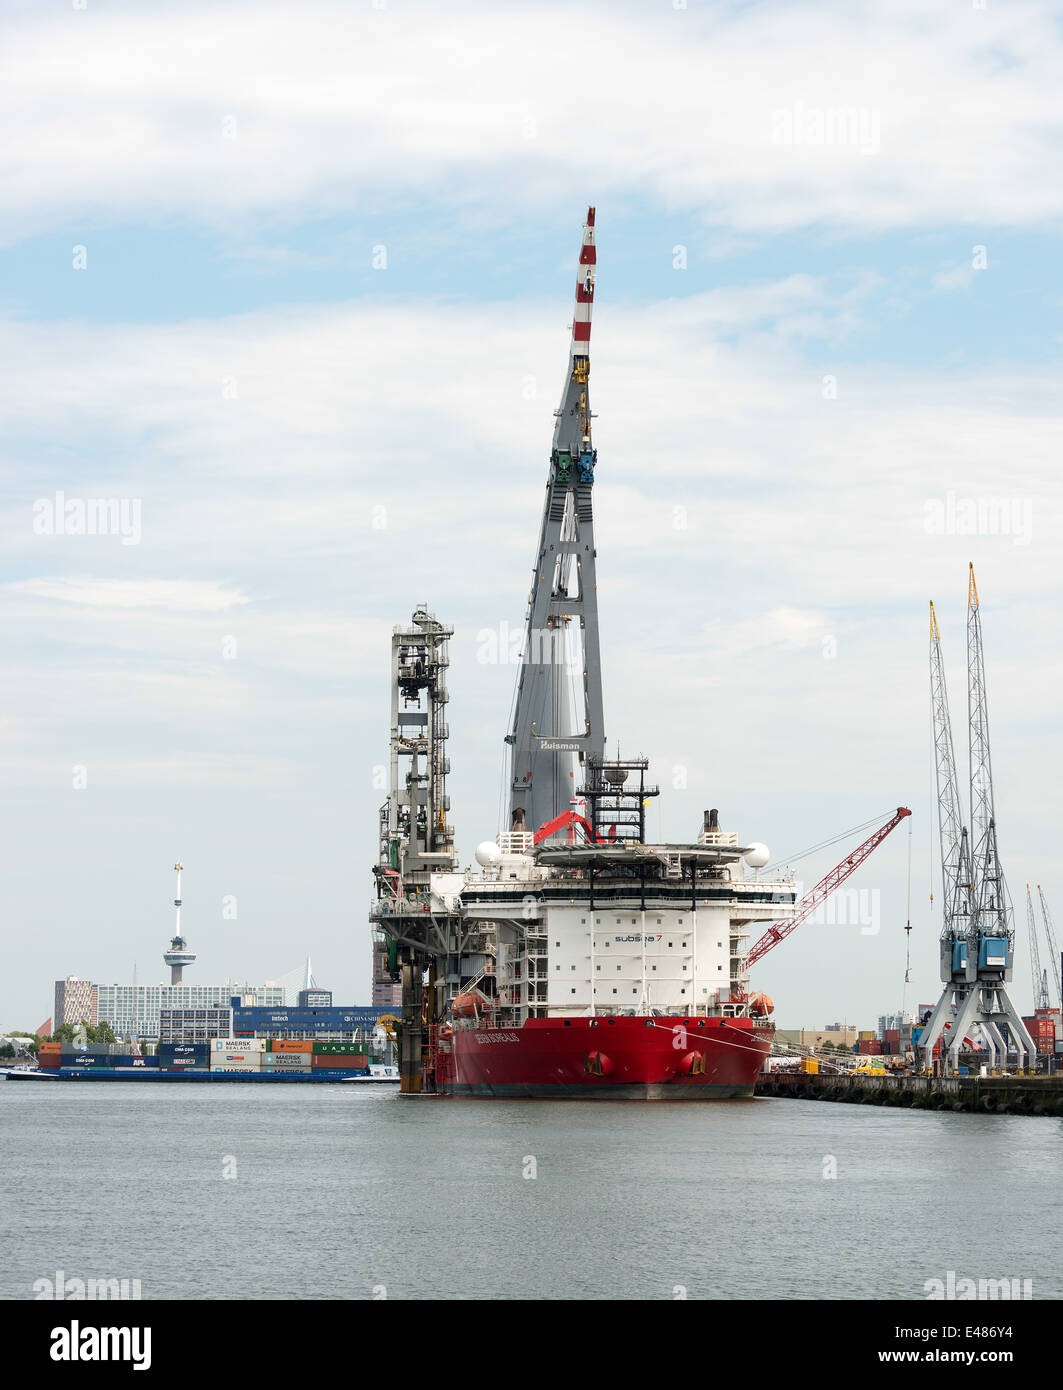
point(584, 296)
point(588, 255)
point(581, 332)
point(590, 217)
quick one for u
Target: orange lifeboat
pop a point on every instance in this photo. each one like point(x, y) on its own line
point(469, 1005)
point(760, 1005)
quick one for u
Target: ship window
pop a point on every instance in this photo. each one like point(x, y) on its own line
point(557, 967)
point(684, 965)
point(614, 991)
point(680, 921)
point(669, 945)
point(654, 967)
point(582, 920)
point(572, 967)
point(658, 921)
point(618, 921)
point(557, 943)
point(597, 967)
point(682, 991)
point(634, 991)
point(632, 921)
point(719, 967)
point(573, 991)
point(618, 969)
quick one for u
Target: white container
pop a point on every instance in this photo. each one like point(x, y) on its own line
point(286, 1059)
point(243, 1065)
point(238, 1044)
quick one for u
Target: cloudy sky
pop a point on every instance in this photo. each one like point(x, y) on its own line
point(292, 284)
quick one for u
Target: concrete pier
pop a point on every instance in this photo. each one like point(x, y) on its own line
point(994, 1095)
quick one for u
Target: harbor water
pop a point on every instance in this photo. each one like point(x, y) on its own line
point(237, 1192)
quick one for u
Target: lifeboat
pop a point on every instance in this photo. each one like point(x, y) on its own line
point(469, 1005)
point(761, 1005)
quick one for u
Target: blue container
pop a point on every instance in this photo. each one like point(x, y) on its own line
point(129, 1059)
point(184, 1049)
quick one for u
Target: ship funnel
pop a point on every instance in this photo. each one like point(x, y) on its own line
point(712, 821)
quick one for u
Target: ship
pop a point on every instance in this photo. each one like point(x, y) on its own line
point(576, 958)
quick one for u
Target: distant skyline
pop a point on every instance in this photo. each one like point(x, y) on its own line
point(290, 288)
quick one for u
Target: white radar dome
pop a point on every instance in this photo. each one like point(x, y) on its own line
point(488, 854)
point(757, 855)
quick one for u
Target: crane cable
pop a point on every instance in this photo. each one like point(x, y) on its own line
point(826, 844)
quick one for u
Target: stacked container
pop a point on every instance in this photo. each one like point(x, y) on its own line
point(341, 1062)
point(237, 1054)
point(286, 1061)
point(181, 1056)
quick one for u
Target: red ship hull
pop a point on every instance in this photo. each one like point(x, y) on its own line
point(607, 1059)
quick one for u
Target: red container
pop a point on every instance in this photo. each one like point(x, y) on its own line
point(48, 1061)
point(339, 1061)
point(874, 1048)
point(893, 1035)
point(291, 1045)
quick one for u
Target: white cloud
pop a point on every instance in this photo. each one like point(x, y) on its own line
point(180, 594)
point(227, 115)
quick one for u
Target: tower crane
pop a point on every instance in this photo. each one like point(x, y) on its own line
point(1050, 937)
point(977, 937)
point(1040, 979)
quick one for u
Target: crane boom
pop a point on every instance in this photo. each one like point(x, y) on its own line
point(1040, 981)
point(1050, 936)
point(824, 888)
point(950, 822)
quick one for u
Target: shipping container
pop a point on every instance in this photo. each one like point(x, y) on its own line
point(291, 1045)
point(130, 1059)
point(865, 1035)
point(337, 1062)
point(184, 1049)
point(340, 1048)
point(82, 1059)
point(49, 1061)
point(290, 1060)
point(238, 1045)
point(246, 1064)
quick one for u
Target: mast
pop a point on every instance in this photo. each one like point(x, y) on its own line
point(557, 719)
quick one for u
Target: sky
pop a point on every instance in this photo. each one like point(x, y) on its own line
point(292, 286)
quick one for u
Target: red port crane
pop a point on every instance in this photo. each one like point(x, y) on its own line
point(824, 888)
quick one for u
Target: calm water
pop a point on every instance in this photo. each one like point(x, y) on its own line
point(338, 1191)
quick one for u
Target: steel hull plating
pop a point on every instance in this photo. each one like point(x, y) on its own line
point(607, 1059)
